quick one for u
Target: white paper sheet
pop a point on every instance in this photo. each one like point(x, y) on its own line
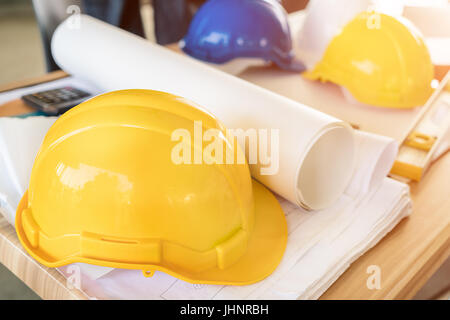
point(16, 162)
point(114, 59)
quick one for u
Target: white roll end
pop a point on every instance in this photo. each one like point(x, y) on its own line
point(327, 168)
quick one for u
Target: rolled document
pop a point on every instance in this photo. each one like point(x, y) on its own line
point(312, 154)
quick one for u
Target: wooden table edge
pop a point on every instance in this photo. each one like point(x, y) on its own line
point(51, 76)
point(46, 282)
point(440, 252)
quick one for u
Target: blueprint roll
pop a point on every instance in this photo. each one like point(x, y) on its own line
point(314, 154)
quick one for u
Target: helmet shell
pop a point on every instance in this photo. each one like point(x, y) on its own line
point(104, 189)
point(222, 30)
point(381, 60)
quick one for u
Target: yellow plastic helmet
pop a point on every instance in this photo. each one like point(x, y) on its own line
point(381, 60)
point(104, 190)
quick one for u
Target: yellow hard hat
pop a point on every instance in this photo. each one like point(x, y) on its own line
point(104, 190)
point(381, 60)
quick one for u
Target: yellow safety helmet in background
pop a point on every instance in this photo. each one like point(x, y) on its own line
point(381, 60)
point(105, 191)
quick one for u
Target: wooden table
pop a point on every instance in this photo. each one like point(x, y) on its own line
point(407, 256)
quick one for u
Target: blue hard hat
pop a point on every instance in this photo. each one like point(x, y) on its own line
point(222, 30)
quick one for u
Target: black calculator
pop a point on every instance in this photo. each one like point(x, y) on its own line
point(56, 101)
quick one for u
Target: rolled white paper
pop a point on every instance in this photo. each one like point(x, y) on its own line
point(316, 151)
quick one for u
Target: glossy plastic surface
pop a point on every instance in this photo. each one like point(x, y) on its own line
point(105, 190)
point(223, 30)
point(381, 60)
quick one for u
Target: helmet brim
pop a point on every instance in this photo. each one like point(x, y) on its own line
point(266, 246)
point(293, 65)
